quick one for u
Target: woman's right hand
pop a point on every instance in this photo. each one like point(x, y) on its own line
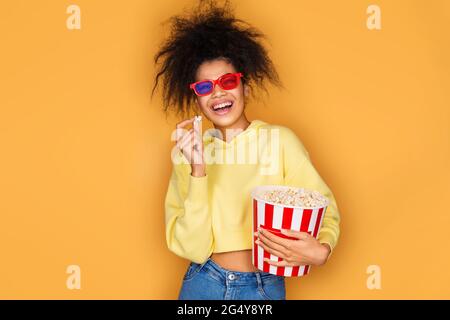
point(190, 143)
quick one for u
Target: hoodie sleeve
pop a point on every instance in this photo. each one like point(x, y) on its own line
point(187, 217)
point(300, 172)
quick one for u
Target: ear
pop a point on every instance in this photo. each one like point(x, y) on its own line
point(246, 90)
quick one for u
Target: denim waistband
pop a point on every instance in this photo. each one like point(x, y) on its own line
point(237, 277)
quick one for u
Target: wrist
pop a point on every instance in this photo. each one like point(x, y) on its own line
point(324, 253)
point(198, 171)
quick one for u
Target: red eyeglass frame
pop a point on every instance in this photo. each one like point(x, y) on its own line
point(214, 82)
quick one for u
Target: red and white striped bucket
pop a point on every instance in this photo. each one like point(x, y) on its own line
point(275, 217)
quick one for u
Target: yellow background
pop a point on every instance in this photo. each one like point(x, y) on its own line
point(85, 154)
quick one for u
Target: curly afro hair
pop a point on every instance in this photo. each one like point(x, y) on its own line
point(210, 32)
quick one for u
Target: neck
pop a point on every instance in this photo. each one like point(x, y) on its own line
point(241, 124)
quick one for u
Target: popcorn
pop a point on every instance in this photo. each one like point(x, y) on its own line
point(277, 207)
point(295, 197)
point(197, 128)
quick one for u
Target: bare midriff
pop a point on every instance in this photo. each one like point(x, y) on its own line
point(235, 260)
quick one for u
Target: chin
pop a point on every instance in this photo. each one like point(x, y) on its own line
point(225, 120)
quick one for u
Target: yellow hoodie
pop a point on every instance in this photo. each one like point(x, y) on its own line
point(214, 213)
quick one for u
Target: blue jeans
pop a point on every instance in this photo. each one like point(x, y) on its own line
point(209, 281)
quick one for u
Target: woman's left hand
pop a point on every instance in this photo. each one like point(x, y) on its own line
point(305, 250)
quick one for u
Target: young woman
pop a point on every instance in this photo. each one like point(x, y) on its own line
point(211, 63)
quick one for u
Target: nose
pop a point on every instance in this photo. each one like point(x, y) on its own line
point(218, 91)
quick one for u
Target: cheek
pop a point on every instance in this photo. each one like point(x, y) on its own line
point(203, 103)
point(239, 97)
point(238, 93)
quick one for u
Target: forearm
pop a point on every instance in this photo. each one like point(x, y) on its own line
point(188, 220)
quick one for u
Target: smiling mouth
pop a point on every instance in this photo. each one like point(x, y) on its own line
point(222, 108)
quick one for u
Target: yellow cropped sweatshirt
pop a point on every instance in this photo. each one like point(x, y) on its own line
point(213, 213)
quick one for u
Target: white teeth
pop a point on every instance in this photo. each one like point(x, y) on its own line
point(218, 106)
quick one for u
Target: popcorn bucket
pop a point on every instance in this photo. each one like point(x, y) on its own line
point(274, 217)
